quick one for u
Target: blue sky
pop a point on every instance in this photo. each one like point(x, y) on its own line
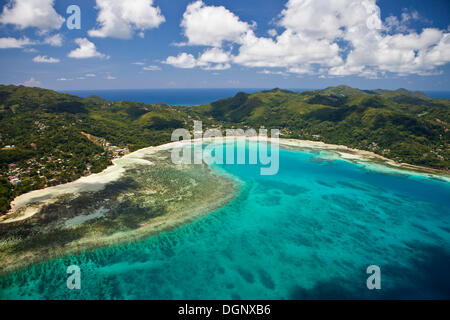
point(226, 44)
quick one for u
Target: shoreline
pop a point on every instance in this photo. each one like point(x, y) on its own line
point(364, 157)
point(220, 191)
point(96, 182)
point(157, 226)
point(177, 218)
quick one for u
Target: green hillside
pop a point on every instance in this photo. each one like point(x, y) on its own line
point(44, 136)
point(48, 138)
point(404, 126)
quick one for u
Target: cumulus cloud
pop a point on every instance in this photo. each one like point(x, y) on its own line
point(403, 54)
point(214, 59)
point(211, 59)
point(396, 24)
point(376, 47)
point(31, 13)
point(85, 50)
point(312, 30)
point(55, 40)
point(325, 38)
point(328, 19)
point(120, 19)
point(90, 75)
point(10, 43)
point(287, 50)
point(183, 60)
point(45, 59)
point(211, 25)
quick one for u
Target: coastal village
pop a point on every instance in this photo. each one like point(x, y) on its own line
point(53, 170)
point(115, 151)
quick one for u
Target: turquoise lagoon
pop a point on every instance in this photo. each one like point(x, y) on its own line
point(309, 232)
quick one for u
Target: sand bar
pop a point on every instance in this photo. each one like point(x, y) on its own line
point(27, 205)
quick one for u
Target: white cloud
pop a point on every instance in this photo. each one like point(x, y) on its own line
point(139, 63)
point(358, 25)
point(403, 54)
point(30, 50)
point(151, 68)
point(86, 50)
point(55, 40)
point(280, 73)
point(214, 55)
point(402, 24)
point(183, 60)
point(211, 59)
point(272, 32)
point(330, 19)
point(10, 43)
point(32, 82)
point(120, 19)
point(31, 13)
point(211, 25)
point(45, 59)
point(312, 32)
point(90, 75)
point(305, 69)
point(217, 67)
point(109, 77)
point(326, 37)
point(214, 59)
point(64, 79)
point(287, 50)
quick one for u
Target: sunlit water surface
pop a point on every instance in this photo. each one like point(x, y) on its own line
point(309, 232)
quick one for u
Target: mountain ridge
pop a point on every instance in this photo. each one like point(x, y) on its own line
point(42, 140)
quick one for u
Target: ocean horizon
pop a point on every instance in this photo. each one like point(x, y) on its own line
point(188, 97)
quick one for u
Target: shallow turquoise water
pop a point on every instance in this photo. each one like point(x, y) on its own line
point(309, 232)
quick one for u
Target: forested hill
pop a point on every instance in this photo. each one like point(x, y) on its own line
point(49, 138)
point(404, 126)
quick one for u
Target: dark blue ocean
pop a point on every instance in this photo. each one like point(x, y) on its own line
point(188, 97)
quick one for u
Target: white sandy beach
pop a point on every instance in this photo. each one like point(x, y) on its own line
point(27, 205)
